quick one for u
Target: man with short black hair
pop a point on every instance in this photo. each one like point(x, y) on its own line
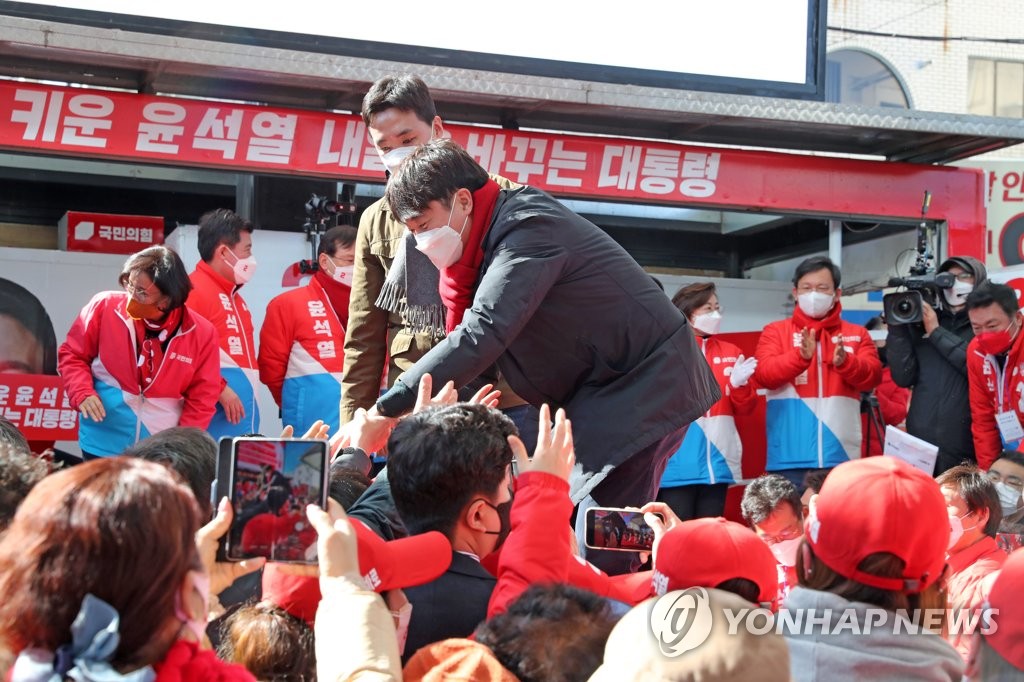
point(190, 452)
point(396, 314)
point(994, 358)
point(226, 264)
point(450, 471)
point(772, 506)
point(554, 633)
point(301, 343)
point(567, 315)
point(815, 365)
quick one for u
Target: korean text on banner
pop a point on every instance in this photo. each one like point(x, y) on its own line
point(38, 406)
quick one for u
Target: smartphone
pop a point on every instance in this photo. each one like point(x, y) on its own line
point(270, 482)
point(622, 530)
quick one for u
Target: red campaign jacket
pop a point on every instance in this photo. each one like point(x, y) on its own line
point(984, 377)
point(218, 301)
point(99, 358)
point(813, 411)
point(302, 355)
point(972, 571)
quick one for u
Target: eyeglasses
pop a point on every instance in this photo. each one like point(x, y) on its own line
point(790, 533)
point(963, 276)
point(142, 295)
point(821, 289)
point(1011, 481)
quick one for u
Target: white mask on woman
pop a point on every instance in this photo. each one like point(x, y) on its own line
point(708, 323)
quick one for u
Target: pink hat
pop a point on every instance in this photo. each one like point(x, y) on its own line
point(881, 504)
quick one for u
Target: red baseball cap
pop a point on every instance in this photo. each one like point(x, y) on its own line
point(1008, 638)
point(384, 566)
point(707, 552)
point(880, 504)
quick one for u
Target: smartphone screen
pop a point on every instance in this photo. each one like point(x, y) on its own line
point(272, 481)
point(618, 529)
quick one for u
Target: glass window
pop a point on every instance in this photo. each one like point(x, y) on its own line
point(857, 77)
point(981, 86)
point(1010, 89)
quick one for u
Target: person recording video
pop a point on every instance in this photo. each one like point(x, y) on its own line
point(930, 357)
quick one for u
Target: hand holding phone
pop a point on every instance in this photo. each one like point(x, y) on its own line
point(622, 530)
point(271, 481)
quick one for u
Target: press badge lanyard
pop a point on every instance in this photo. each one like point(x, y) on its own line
point(1009, 424)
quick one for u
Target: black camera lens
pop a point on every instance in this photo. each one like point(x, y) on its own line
point(904, 307)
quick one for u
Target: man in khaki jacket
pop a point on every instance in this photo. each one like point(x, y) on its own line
point(396, 312)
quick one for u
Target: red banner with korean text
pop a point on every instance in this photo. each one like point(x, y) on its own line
point(122, 125)
point(108, 233)
point(38, 406)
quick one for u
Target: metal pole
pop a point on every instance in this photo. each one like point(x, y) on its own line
point(835, 242)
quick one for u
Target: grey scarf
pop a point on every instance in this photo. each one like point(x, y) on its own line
point(411, 290)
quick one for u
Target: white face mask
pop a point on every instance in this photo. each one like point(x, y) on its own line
point(785, 551)
point(957, 294)
point(957, 530)
point(709, 323)
point(1009, 498)
point(443, 245)
point(343, 274)
point(815, 304)
point(394, 158)
point(244, 268)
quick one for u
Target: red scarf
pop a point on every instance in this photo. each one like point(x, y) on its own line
point(458, 281)
point(831, 321)
point(150, 342)
point(186, 662)
point(337, 294)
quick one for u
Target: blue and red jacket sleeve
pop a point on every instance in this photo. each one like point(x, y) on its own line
point(862, 369)
point(275, 346)
point(204, 390)
point(778, 361)
point(76, 354)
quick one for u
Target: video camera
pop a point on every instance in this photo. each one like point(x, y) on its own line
point(924, 284)
point(319, 210)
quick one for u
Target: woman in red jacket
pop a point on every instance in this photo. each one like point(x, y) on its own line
point(102, 579)
point(138, 361)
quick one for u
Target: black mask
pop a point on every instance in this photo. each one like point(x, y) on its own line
point(505, 514)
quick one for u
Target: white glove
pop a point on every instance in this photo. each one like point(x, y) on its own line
point(742, 371)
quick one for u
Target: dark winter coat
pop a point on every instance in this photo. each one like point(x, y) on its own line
point(936, 368)
point(573, 321)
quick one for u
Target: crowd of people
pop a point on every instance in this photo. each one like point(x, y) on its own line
point(533, 374)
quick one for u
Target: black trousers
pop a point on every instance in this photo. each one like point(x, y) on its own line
point(633, 483)
point(695, 501)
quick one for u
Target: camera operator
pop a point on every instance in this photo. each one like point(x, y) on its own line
point(931, 359)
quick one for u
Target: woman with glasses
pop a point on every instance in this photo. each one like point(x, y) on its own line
point(137, 361)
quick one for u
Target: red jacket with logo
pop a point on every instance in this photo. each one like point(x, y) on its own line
point(220, 302)
point(988, 381)
point(813, 411)
point(302, 355)
point(99, 358)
